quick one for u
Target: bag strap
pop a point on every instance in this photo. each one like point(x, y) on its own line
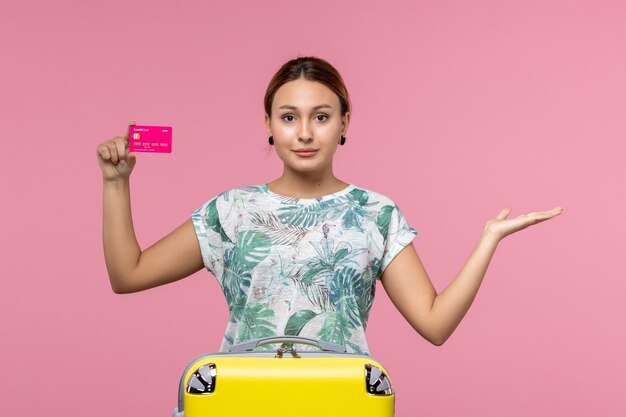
point(250, 345)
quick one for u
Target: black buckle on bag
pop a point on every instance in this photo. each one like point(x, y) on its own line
point(281, 350)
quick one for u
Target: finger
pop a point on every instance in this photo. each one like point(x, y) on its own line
point(113, 151)
point(552, 213)
point(132, 123)
point(548, 213)
point(540, 217)
point(504, 213)
point(104, 153)
point(121, 148)
point(535, 214)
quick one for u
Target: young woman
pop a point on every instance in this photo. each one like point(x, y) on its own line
point(299, 255)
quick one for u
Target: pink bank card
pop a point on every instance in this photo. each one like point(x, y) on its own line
point(150, 139)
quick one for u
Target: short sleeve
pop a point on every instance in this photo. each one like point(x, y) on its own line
point(209, 231)
point(397, 235)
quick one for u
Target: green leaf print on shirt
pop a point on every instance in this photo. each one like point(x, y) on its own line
point(315, 288)
point(213, 222)
point(361, 196)
point(345, 288)
point(235, 282)
point(335, 329)
point(295, 324)
point(369, 286)
point(320, 269)
point(308, 215)
point(351, 208)
point(355, 211)
point(383, 220)
point(251, 248)
point(280, 233)
point(297, 321)
point(253, 324)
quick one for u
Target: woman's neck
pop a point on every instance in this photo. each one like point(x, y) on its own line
point(306, 186)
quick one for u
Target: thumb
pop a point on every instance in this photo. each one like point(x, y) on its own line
point(504, 213)
point(131, 158)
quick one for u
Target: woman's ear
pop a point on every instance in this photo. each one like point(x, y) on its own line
point(268, 123)
point(345, 121)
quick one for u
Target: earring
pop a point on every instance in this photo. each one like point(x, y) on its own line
point(271, 140)
point(343, 140)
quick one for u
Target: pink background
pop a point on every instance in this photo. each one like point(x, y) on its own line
point(460, 109)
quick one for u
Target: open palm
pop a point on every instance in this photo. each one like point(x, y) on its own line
point(501, 226)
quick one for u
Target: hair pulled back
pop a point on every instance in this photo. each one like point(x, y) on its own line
point(312, 69)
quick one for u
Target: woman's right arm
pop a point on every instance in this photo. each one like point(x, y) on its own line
point(174, 257)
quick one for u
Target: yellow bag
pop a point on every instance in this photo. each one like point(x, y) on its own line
point(247, 383)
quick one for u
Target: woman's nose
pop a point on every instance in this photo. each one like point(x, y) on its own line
point(305, 133)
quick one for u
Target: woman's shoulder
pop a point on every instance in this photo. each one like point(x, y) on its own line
point(237, 192)
point(372, 197)
point(246, 191)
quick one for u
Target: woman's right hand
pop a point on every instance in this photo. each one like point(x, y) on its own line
point(114, 158)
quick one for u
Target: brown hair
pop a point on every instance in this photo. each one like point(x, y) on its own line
point(313, 69)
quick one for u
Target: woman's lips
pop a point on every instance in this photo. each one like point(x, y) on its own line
point(305, 153)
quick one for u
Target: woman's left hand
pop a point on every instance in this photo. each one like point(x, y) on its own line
point(501, 227)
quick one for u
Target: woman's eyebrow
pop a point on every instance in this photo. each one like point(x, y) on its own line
point(319, 106)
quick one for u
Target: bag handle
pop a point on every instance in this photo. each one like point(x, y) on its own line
point(247, 346)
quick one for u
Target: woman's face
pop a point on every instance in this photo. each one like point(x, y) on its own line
point(306, 115)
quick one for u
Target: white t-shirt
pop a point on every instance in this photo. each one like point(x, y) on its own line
point(303, 267)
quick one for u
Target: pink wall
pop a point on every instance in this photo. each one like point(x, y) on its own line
point(460, 109)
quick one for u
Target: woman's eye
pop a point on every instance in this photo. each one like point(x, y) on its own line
point(290, 117)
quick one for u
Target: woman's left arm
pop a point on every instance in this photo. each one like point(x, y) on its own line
point(436, 316)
